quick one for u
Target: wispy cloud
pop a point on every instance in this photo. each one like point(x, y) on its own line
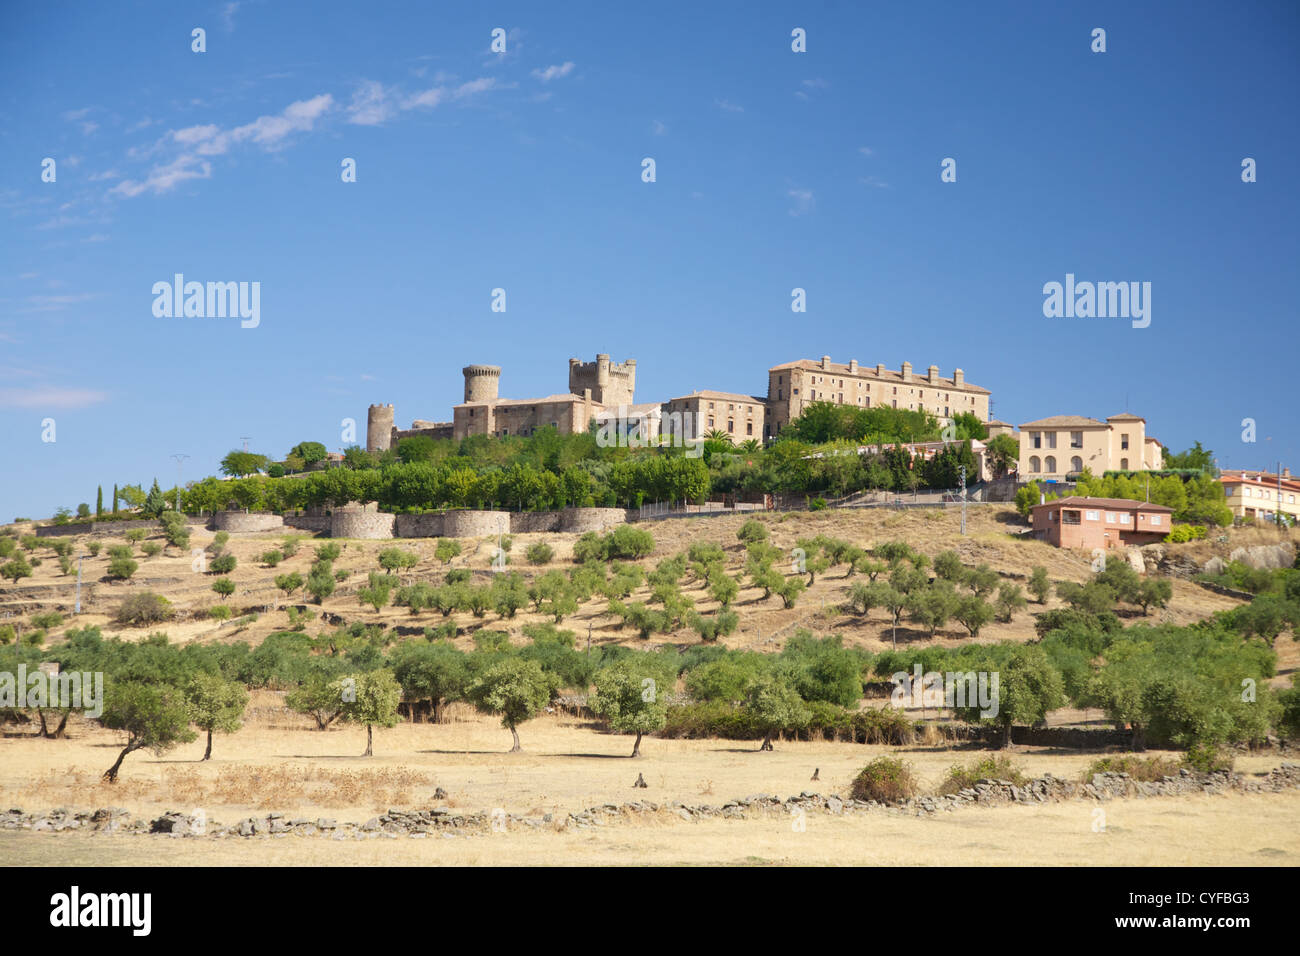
point(873, 181)
point(728, 106)
point(866, 151)
point(803, 201)
point(371, 104)
point(166, 177)
point(50, 396)
point(658, 128)
point(228, 15)
point(554, 72)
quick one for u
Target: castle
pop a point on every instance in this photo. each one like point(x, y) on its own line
point(604, 392)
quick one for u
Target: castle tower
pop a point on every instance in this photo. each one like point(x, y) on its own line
point(379, 428)
point(481, 382)
point(611, 383)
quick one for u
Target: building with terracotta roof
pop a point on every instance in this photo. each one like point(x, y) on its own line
point(1076, 522)
point(1261, 494)
point(742, 417)
point(792, 386)
point(1060, 447)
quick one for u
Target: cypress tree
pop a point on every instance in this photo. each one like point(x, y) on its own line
point(99, 501)
point(115, 499)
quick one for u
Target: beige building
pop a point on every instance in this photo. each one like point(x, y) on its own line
point(793, 386)
point(593, 387)
point(1261, 494)
point(1053, 449)
point(742, 417)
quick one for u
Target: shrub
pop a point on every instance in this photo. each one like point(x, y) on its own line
point(7, 547)
point(18, 568)
point(135, 535)
point(151, 549)
point(272, 558)
point(120, 551)
point(996, 767)
point(884, 780)
point(144, 608)
point(395, 559)
point(288, 583)
point(93, 547)
point(1145, 769)
point(328, 552)
point(1207, 758)
point(628, 542)
point(289, 547)
point(589, 547)
point(752, 530)
point(222, 564)
point(446, 549)
point(122, 568)
point(35, 637)
point(817, 504)
point(6, 634)
point(224, 586)
point(47, 620)
point(219, 612)
point(539, 553)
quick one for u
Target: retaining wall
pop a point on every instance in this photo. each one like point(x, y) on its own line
point(238, 522)
point(317, 524)
point(107, 527)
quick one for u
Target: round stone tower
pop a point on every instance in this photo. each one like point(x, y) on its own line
point(379, 428)
point(481, 382)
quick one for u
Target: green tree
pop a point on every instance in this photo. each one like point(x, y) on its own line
point(1039, 585)
point(370, 698)
point(775, 706)
point(1009, 600)
point(514, 688)
point(99, 501)
point(446, 549)
point(237, 463)
point(19, 567)
point(435, 672)
point(224, 586)
point(153, 716)
point(973, 612)
point(630, 701)
point(216, 704)
point(154, 503)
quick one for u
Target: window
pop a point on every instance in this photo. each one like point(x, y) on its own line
point(1036, 439)
point(1123, 464)
point(1123, 518)
point(1155, 519)
point(710, 421)
point(1051, 464)
point(1123, 442)
point(1076, 464)
point(749, 428)
point(778, 394)
point(1092, 515)
point(1033, 465)
point(1069, 517)
point(1051, 516)
point(731, 426)
point(1110, 517)
point(710, 406)
point(1076, 439)
point(794, 391)
point(1051, 439)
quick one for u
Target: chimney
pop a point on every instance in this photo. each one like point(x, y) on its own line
point(826, 361)
point(958, 377)
point(880, 368)
point(934, 374)
point(907, 371)
point(853, 366)
point(1286, 472)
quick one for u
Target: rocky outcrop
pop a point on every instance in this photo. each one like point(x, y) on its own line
point(1265, 556)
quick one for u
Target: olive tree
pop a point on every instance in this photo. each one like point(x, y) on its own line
point(516, 689)
point(630, 701)
point(216, 704)
point(153, 716)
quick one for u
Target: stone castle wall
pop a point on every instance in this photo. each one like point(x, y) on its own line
point(362, 524)
point(239, 522)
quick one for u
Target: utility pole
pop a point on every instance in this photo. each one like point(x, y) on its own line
point(179, 459)
point(245, 439)
point(963, 499)
point(77, 608)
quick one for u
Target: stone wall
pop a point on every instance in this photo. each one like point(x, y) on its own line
point(523, 522)
point(238, 522)
point(362, 525)
point(591, 519)
point(107, 527)
point(316, 524)
point(428, 525)
point(475, 524)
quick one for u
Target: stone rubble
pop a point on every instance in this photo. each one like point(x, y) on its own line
point(442, 820)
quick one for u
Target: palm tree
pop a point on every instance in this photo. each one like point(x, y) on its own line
point(718, 435)
point(750, 445)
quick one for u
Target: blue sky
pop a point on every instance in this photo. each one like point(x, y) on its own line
point(522, 171)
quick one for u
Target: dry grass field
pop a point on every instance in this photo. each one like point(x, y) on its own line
point(279, 762)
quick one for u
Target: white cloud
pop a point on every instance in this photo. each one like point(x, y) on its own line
point(228, 15)
point(866, 151)
point(873, 181)
point(554, 72)
point(73, 115)
point(658, 128)
point(816, 83)
point(729, 107)
point(371, 104)
point(49, 396)
point(803, 201)
point(164, 178)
